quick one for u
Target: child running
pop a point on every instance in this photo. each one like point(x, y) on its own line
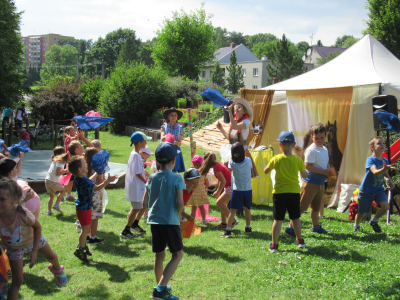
point(199, 197)
point(242, 195)
point(83, 204)
point(191, 178)
point(21, 233)
point(286, 192)
point(59, 159)
point(371, 188)
point(164, 198)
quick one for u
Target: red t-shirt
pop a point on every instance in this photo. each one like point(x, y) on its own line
point(186, 196)
point(225, 172)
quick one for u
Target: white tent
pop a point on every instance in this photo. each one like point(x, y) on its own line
point(343, 86)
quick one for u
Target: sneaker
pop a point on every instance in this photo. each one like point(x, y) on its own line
point(375, 227)
point(247, 230)
point(220, 227)
point(78, 227)
point(235, 222)
point(127, 234)
point(301, 243)
point(204, 222)
point(138, 229)
point(81, 255)
point(77, 222)
point(227, 234)
point(319, 229)
point(356, 228)
point(164, 294)
point(289, 231)
point(70, 198)
point(273, 248)
point(87, 251)
point(95, 241)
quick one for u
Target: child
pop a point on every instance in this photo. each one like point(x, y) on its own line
point(286, 192)
point(97, 145)
point(145, 153)
point(199, 197)
point(371, 188)
point(84, 188)
point(59, 159)
point(20, 233)
point(135, 185)
point(241, 183)
point(313, 188)
point(164, 198)
point(191, 178)
point(24, 135)
point(223, 174)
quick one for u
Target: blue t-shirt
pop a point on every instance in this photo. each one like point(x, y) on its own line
point(241, 174)
point(162, 188)
point(7, 112)
point(84, 189)
point(372, 184)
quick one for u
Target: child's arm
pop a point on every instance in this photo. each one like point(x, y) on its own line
point(206, 183)
point(186, 216)
point(304, 174)
point(145, 200)
point(389, 181)
point(37, 233)
point(313, 169)
point(93, 178)
point(224, 133)
point(221, 184)
point(19, 164)
point(141, 177)
point(384, 169)
point(179, 201)
point(60, 171)
point(4, 146)
point(81, 137)
point(267, 170)
point(105, 183)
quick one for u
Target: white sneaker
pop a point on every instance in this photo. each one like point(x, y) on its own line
point(204, 222)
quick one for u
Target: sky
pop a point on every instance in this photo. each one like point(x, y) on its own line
point(297, 19)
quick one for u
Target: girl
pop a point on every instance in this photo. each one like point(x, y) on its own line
point(98, 198)
point(21, 232)
point(223, 174)
point(172, 126)
point(199, 197)
point(59, 159)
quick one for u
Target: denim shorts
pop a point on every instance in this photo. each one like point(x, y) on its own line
point(365, 200)
point(241, 199)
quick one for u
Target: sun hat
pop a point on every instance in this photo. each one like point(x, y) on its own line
point(6, 165)
point(246, 105)
point(197, 160)
point(138, 136)
point(286, 137)
point(237, 151)
point(100, 162)
point(170, 110)
point(191, 173)
point(165, 152)
point(146, 150)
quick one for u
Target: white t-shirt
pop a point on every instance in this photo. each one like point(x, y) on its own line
point(134, 187)
point(317, 156)
point(51, 174)
point(245, 131)
point(19, 114)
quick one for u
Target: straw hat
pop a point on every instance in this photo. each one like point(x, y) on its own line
point(172, 109)
point(246, 105)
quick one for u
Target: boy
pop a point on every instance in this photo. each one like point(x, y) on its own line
point(313, 188)
point(286, 192)
point(84, 188)
point(371, 187)
point(135, 185)
point(242, 191)
point(191, 178)
point(164, 198)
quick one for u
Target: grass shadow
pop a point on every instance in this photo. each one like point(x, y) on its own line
point(143, 268)
point(369, 237)
point(210, 253)
point(40, 285)
point(379, 291)
point(257, 235)
point(98, 292)
point(66, 218)
point(117, 247)
point(115, 214)
point(117, 273)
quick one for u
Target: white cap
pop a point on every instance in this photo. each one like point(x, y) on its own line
point(146, 150)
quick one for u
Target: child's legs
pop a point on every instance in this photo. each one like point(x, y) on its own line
point(276, 230)
point(159, 265)
point(247, 214)
point(61, 195)
point(278, 213)
point(293, 208)
point(382, 200)
point(50, 203)
point(84, 232)
point(140, 214)
point(193, 211)
point(359, 217)
point(17, 278)
point(321, 211)
point(50, 256)
point(132, 213)
point(171, 268)
point(231, 217)
point(364, 206)
point(221, 203)
point(297, 228)
point(202, 211)
point(93, 227)
point(311, 195)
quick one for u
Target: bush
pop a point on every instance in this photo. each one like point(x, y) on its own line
point(180, 85)
point(134, 92)
point(205, 107)
point(90, 90)
point(185, 117)
point(181, 102)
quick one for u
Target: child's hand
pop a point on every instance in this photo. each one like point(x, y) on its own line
point(21, 155)
point(390, 185)
point(32, 256)
point(388, 167)
point(231, 106)
point(80, 134)
point(29, 195)
point(189, 218)
point(112, 178)
point(219, 125)
point(216, 194)
point(7, 154)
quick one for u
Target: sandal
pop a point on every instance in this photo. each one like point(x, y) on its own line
point(57, 208)
point(49, 213)
point(61, 279)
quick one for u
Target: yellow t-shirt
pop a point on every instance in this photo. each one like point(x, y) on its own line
point(287, 173)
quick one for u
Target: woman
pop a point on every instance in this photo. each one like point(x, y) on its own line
point(239, 126)
point(172, 126)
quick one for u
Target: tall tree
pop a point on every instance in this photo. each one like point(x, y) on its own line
point(217, 75)
point(286, 62)
point(129, 51)
point(235, 78)
point(237, 38)
point(185, 43)
point(350, 42)
point(340, 40)
point(11, 55)
point(83, 46)
point(319, 43)
point(384, 23)
point(60, 60)
point(258, 38)
point(302, 47)
point(266, 48)
point(33, 73)
point(145, 51)
point(220, 38)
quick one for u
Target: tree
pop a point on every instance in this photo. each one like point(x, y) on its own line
point(302, 47)
point(220, 38)
point(266, 48)
point(340, 41)
point(83, 47)
point(350, 42)
point(384, 23)
point(235, 78)
point(324, 60)
point(11, 55)
point(128, 51)
point(286, 61)
point(33, 73)
point(218, 74)
point(319, 43)
point(185, 43)
point(237, 38)
point(258, 38)
point(60, 60)
point(145, 51)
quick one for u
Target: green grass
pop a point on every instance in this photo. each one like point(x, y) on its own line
point(339, 265)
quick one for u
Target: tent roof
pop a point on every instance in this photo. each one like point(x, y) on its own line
point(366, 62)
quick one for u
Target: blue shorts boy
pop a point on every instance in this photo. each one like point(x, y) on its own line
point(365, 200)
point(241, 198)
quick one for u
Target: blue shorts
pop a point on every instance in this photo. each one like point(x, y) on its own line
point(241, 198)
point(365, 200)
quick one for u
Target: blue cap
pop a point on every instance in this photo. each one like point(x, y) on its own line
point(138, 136)
point(191, 173)
point(286, 137)
point(165, 152)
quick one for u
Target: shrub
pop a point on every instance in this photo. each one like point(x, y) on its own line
point(180, 85)
point(217, 114)
point(181, 102)
point(205, 107)
point(90, 90)
point(159, 113)
point(134, 92)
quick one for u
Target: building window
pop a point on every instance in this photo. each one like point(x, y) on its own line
point(255, 72)
point(254, 87)
point(203, 74)
point(244, 72)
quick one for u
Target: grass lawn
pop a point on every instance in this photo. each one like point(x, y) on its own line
point(339, 265)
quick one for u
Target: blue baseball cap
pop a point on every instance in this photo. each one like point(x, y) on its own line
point(286, 137)
point(191, 173)
point(138, 136)
point(165, 152)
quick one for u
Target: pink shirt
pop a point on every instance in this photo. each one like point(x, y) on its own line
point(225, 172)
point(67, 141)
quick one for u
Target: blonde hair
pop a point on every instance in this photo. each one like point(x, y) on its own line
point(57, 151)
point(97, 144)
point(12, 187)
point(63, 158)
point(68, 128)
point(373, 140)
point(73, 146)
point(90, 152)
point(210, 159)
